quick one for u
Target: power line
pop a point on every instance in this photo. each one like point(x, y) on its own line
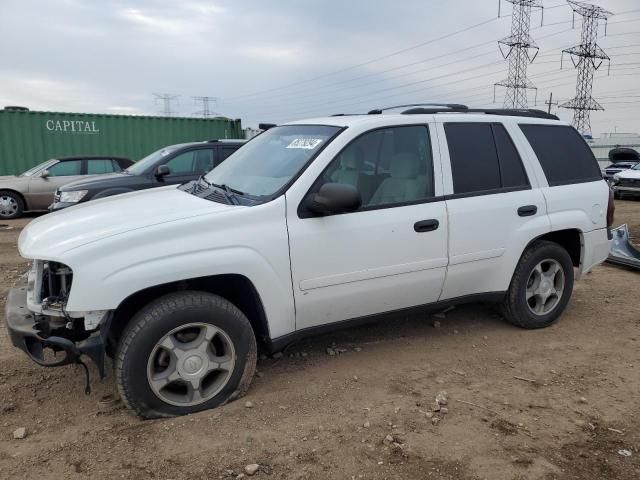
point(206, 111)
point(587, 58)
point(517, 48)
point(167, 99)
point(368, 62)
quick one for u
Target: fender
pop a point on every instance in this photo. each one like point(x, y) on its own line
point(120, 283)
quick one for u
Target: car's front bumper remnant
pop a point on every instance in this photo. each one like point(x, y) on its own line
point(622, 250)
point(32, 334)
point(627, 190)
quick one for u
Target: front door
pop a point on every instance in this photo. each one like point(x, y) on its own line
point(42, 189)
point(388, 255)
point(188, 166)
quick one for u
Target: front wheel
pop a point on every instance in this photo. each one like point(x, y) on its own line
point(183, 353)
point(541, 286)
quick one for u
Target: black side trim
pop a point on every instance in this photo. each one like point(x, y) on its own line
point(486, 192)
point(307, 214)
point(280, 343)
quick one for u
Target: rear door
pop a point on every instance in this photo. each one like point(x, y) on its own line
point(495, 206)
point(388, 255)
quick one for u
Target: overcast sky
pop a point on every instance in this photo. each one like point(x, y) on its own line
point(279, 60)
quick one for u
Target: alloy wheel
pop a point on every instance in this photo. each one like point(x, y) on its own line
point(191, 364)
point(545, 286)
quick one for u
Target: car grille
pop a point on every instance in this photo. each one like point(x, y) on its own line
point(629, 182)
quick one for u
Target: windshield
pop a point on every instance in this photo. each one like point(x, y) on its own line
point(35, 169)
point(142, 165)
point(637, 167)
point(265, 164)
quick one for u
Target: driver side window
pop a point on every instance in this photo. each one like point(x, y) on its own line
point(387, 166)
point(191, 162)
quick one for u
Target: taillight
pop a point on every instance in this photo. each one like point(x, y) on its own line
point(611, 208)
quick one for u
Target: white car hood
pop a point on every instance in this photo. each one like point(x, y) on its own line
point(51, 235)
point(629, 174)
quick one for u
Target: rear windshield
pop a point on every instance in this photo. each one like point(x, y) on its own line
point(564, 155)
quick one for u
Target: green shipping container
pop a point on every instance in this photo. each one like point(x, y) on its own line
point(28, 138)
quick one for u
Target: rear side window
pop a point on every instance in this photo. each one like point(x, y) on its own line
point(98, 166)
point(563, 154)
point(483, 158)
point(513, 174)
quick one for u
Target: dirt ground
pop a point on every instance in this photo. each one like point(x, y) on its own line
point(558, 403)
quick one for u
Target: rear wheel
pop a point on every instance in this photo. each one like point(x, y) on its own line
point(183, 353)
point(541, 286)
point(11, 205)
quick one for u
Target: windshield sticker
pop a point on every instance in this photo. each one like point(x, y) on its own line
point(305, 143)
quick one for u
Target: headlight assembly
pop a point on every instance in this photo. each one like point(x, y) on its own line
point(72, 197)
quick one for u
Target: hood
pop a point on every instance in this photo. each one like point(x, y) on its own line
point(100, 181)
point(51, 235)
point(629, 174)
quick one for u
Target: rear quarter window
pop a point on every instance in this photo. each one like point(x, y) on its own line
point(564, 155)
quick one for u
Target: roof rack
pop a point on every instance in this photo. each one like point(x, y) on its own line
point(450, 106)
point(516, 112)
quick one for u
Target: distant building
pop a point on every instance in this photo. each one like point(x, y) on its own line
point(607, 141)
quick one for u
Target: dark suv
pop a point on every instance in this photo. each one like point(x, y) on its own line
point(170, 165)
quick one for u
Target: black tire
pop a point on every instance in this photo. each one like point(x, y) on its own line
point(160, 317)
point(515, 308)
point(19, 203)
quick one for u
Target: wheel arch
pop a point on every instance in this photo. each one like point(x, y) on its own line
point(571, 239)
point(20, 194)
point(236, 288)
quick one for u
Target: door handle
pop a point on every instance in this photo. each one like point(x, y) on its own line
point(527, 211)
point(426, 225)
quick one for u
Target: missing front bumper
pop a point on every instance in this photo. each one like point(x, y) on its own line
point(30, 334)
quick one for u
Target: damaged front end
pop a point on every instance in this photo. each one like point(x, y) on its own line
point(623, 252)
point(40, 325)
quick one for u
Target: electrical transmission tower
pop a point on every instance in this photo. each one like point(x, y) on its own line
point(587, 58)
point(206, 112)
point(166, 98)
point(520, 49)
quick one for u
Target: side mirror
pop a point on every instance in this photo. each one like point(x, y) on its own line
point(44, 174)
point(334, 198)
point(162, 171)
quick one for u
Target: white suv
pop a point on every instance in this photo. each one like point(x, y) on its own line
point(307, 227)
